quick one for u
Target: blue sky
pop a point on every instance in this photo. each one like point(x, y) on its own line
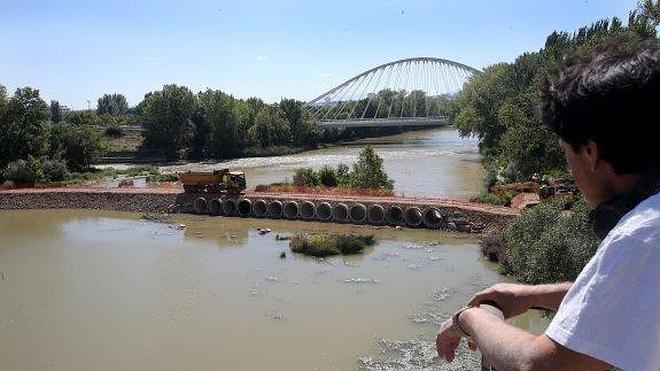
point(78, 50)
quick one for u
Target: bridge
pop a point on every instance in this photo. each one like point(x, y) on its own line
point(404, 93)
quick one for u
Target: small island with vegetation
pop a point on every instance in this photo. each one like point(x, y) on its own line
point(329, 244)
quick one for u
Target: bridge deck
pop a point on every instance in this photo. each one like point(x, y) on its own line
point(384, 122)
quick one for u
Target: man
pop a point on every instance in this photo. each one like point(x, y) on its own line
point(606, 111)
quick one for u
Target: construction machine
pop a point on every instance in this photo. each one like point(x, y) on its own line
point(217, 181)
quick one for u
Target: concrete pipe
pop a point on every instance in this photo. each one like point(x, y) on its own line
point(201, 206)
point(375, 214)
point(432, 218)
point(340, 213)
point(290, 210)
point(229, 207)
point(357, 213)
point(215, 207)
point(244, 207)
point(324, 211)
point(394, 215)
point(260, 208)
point(307, 210)
point(275, 209)
point(413, 216)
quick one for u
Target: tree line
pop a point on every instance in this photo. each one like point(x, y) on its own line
point(499, 106)
point(544, 244)
point(214, 124)
point(34, 147)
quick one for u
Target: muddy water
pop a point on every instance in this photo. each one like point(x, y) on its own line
point(107, 291)
point(427, 162)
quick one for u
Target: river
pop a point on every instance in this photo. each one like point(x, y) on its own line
point(102, 290)
point(434, 162)
point(105, 291)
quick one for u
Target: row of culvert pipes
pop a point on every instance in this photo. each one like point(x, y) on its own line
point(356, 213)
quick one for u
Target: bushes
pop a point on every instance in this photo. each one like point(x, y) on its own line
point(545, 244)
point(368, 173)
point(24, 171)
point(328, 176)
point(114, 131)
point(486, 197)
point(306, 177)
point(80, 146)
point(35, 170)
point(326, 244)
point(55, 170)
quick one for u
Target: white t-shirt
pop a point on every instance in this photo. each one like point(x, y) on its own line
point(612, 312)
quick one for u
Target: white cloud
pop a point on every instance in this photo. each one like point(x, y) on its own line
point(261, 58)
point(325, 74)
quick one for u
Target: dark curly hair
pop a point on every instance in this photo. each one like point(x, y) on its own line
point(611, 96)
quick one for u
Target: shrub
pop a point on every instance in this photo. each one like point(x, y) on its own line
point(114, 131)
point(368, 171)
point(326, 244)
point(328, 176)
point(487, 198)
point(142, 170)
point(55, 170)
point(306, 177)
point(545, 244)
point(170, 177)
point(80, 146)
point(24, 171)
point(80, 118)
point(343, 175)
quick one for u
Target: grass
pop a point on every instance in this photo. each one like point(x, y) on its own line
point(160, 178)
point(344, 191)
point(129, 141)
point(327, 244)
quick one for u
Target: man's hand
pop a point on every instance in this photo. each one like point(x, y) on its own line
point(513, 299)
point(447, 340)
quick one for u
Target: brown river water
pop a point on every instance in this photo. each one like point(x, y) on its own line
point(97, 290)
point(435, 162)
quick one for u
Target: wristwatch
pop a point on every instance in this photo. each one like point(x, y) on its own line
point(456, 324)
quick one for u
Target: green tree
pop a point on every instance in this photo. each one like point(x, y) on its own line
point(499, 105)
point(328, 176)
point(270, 128)
point(80, 118)
point(166, 119)
point(80, 146)
point(23, 125)
point(368, 171)
point(546, 245)
point(222, 129)
point(112, 104)
point(55, 112)
point(302, 128)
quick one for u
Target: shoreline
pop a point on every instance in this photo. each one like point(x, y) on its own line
point(461, 216)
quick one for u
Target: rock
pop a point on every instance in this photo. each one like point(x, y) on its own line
point(181, 227)
point(465, 228)
point(398, 227)
point(451, 226)
point(263, 231)
point(283, 255)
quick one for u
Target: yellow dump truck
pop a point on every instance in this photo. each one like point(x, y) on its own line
point(217, 181)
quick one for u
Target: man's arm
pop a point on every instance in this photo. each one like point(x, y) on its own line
point(515, 299)
point(509, 348)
